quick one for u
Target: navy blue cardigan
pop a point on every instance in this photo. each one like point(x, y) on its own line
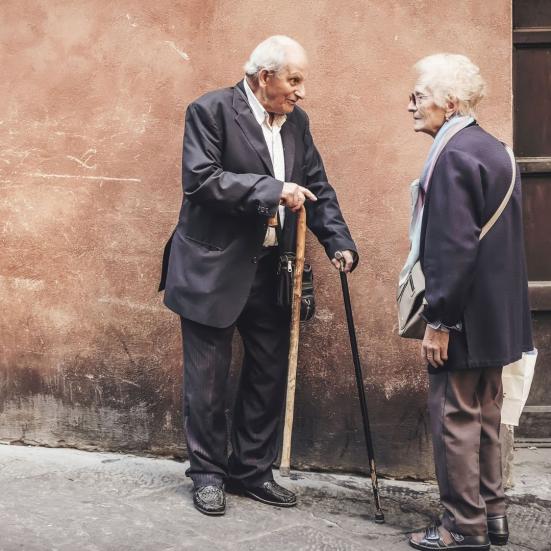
point(482, 284)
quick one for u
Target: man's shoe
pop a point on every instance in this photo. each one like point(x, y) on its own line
point(234, 486)
point(272, 493)
point(498, 530)
point(435, 537)
point(210, 500)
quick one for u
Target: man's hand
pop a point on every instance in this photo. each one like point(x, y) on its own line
point(293, 196)
point(435, 346)
point(347, 257)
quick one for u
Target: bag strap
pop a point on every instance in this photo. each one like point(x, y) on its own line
point(488, 226)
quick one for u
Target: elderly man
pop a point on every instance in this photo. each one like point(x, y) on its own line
point(249, 158)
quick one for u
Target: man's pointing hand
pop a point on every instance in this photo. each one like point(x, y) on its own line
point(293, 196)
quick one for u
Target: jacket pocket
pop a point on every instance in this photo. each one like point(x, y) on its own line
point(204, 244)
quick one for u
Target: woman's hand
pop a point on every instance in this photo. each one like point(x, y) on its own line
point(435, 346)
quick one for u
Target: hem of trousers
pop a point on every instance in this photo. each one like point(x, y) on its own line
point(254, 481)
point(206, 479)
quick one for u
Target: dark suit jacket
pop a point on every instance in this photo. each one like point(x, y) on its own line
point(229, 194)
point(482, 284)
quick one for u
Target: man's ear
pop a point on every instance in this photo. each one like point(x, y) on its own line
point(263, 77)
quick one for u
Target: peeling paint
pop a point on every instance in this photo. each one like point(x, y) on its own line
point(324, 314)
point(82, 177)
point(181, 53)
point(84, 159)
point(130, 304)
point(22, 283)
point(131, 20)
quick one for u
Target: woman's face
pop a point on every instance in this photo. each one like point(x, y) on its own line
point(427, 116)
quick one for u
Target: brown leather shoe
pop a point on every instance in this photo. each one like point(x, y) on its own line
point(498, 530)
point(437, 537)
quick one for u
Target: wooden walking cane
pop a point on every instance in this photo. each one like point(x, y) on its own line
point(285, 464)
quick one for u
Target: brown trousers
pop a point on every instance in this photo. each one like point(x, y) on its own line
point(465, 413)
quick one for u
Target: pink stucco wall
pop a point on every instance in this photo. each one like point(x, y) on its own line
point(92, 103)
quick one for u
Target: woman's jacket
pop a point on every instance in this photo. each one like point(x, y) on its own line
point(480, 284)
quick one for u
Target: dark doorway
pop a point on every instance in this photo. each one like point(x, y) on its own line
point(532, 141)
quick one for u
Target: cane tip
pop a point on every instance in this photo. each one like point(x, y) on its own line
point(379, 518)
point(285, 471)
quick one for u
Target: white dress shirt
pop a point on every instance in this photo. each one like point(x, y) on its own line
point(272, 135)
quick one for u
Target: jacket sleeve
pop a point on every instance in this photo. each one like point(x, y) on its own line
point(324, 217)
point(206, 182)
point(455, 204)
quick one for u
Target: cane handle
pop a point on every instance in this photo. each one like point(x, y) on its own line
point(340, 257)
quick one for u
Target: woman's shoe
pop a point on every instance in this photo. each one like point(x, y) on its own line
point(438, 538)
point(498, 530)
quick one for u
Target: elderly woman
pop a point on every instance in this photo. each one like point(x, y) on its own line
point(476, 307)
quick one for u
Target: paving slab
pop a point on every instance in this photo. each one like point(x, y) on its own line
point(70, 500)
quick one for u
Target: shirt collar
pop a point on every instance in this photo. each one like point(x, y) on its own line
point(260, 114)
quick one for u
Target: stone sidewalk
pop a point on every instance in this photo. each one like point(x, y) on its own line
point(68, 500)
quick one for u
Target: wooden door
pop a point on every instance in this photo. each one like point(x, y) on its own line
point(532, 143)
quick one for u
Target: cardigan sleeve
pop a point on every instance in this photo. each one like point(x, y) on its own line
point(454, 210)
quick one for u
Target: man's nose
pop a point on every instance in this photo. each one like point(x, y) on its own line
point(412, 107)
point(301, 91)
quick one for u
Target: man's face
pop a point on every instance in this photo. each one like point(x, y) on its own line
point(280, 91)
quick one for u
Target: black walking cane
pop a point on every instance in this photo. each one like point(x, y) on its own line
point(379, 516)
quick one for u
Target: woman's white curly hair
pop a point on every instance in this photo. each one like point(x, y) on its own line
point(449, 77)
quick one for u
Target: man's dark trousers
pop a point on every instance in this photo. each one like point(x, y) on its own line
point(259, 400)
point(465, 411)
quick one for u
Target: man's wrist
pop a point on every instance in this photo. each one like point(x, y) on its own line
point(438, 326)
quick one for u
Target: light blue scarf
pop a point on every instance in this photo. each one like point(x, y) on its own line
point(448, 130)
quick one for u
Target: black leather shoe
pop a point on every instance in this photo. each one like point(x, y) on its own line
point(498, 530)
point(272, 493)
point(233, 486)
point(432, 539)
point(210, 500)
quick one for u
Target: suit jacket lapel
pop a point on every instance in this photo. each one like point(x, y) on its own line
point(288, 139)
point(251, 129)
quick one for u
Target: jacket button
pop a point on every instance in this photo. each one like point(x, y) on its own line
point(254, 259)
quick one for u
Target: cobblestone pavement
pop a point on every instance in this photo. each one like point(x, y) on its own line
point(68, 500)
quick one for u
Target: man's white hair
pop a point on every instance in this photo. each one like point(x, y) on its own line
point(271, 54)
point(449, 77)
